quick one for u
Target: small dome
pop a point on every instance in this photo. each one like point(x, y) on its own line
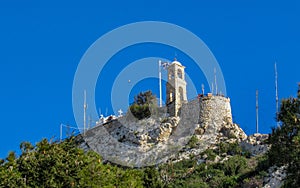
point(176, 62)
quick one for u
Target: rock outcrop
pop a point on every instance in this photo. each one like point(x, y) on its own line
point(256, 144)
point(275, 178)
point(143, 133)
point(127, 140)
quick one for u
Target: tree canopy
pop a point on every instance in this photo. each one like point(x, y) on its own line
point(54, 164)
point(285, 141)
point(144, 105)
point(63, 164)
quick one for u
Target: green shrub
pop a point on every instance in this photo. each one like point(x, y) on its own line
point(235, 165)
point(210, 154)
point(151, 178)
point(230, 148)
point(193, 141)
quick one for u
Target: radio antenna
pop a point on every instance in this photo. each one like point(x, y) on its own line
point(256, 111)
point(215, 73)
point(276, 90)
point(84, 113)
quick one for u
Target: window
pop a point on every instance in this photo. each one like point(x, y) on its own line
point(179, 73)
point(171, 75)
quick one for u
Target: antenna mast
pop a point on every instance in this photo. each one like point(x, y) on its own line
point(160, 90)
point(84, 113)
point(256, 111)
point(215, 72)
point(276, 90)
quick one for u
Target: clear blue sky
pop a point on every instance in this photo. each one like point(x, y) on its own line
point(42, 43)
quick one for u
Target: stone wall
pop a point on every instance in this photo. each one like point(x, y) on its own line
point(215, 118)
point(214, 124)
point(214, 111)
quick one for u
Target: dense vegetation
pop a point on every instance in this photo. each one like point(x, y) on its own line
point(285, 141)
point(63, 164)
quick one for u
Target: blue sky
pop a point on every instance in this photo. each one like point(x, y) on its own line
point(41, 44)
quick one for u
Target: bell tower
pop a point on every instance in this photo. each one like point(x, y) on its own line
point(176, 88)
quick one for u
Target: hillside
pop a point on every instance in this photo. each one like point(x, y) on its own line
point(215, 155)
point(54, 164)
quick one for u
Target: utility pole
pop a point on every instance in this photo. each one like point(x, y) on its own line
point(256, 111)
point(84, 113)
point(276, 90)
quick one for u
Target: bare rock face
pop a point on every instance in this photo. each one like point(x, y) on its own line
point(255, 144)
point(166, 128)
point(232, 130)
point(142, 133)
point(275, 178)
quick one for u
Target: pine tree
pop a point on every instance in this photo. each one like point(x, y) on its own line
point(285, 140)
point(144, 105)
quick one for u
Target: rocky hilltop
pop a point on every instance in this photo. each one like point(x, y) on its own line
point(203, 124)
point(207, 120)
